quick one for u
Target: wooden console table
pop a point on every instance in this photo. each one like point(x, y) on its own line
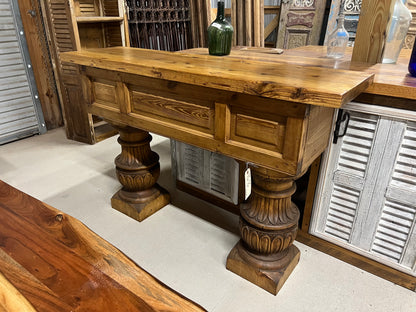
point(272, 114)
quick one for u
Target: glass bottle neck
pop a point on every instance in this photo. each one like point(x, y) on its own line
point(340, 21)
point(220, 10)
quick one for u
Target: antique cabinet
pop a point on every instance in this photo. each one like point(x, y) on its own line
point(76, 25)
point(366, 196)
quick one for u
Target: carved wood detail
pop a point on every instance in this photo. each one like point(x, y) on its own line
point(268, 227)
point(137, 169)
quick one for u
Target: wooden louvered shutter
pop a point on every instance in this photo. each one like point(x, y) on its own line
point(213, 173)
point(366, 201)
point(78, 123)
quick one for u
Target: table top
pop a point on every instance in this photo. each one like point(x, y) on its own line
point(289, 81)
point(50, 261)
point(389, 80)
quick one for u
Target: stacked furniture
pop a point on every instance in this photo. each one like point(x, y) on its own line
point(75, 25)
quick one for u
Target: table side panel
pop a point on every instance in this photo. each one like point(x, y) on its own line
point(248, 128)
point(319, 130)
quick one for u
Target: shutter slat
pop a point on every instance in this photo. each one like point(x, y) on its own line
point(400, 243)
point(193, 161)
point(341, 213)
point(381, 249)
point(394, 226)
point(14, 104)
point(18, 125)
point(359, 132)
point(396, 217)
point(15, 115)
point(337, 231)
point(219, 181)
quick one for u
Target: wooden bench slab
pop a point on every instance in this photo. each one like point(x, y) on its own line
point(57, 264)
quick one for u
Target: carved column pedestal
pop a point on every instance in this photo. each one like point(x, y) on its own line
point(268, 224)
point(137, 170)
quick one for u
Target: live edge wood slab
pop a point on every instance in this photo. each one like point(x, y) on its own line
point(274, 115)
point(50, 261)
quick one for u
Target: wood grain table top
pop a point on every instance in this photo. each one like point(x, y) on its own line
point(287, 81)
point(389, 80)
point(50, 261)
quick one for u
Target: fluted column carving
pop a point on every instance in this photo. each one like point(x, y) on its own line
point(138, 170)
point(265, 254)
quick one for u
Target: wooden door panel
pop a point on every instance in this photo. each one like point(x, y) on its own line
point(300, 23)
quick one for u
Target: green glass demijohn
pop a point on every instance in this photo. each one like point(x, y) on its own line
point(220, 34)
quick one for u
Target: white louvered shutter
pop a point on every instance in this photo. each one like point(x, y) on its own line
point(20, 113)
point(211, 172)
point(366, 199)
point(395, 237)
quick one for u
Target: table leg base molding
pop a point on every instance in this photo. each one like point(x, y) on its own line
point(270, 280)
point(138, 209)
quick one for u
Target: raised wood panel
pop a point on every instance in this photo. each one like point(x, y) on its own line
point(263, 133)
point(177, 112)
point(79, 126)
point(91, 36)
point(105, 93)
point(296, 38)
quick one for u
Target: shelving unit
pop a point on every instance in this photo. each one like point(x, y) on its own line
point(76, 25)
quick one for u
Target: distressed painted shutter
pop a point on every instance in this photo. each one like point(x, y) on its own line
point(395, 237)
point(345, 184)
point(366, 201)
point(20, 111)
point(211, 172)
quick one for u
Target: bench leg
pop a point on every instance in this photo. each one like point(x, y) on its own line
point(138, 169)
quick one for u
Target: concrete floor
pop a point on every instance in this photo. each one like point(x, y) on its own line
point(185, 244)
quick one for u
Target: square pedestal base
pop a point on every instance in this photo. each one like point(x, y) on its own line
point(140, 211)
point(272, 281)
